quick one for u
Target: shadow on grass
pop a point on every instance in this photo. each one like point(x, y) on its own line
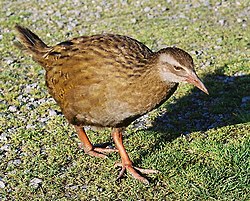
point(227, 104)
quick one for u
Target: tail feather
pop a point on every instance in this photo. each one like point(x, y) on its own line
point(31, 42)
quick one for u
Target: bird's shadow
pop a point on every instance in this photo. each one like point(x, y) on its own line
point(227, 104)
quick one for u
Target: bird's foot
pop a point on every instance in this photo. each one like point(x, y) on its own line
point(132, 170)
point(99, 151)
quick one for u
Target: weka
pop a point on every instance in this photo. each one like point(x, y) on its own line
point(109, 80)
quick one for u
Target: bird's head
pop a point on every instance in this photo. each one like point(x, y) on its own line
point(176, 65)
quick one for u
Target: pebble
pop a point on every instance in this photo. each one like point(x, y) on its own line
point(29, 126)
point(245, 99)
point(9, 61)
point(9, 13)
point(73, 187)
point(217, 47)
point(15, 162)
point(5, 147)
point(34, 183)
point(239, 20)
point(99, 189)
point(164, 8)
point(12, 108)
point(147, 9)
point(239, 74)
point(84, 188)
point(2, 184)
point(52, 113)
point(222, 22)
point(3, 137)
point(133, 20)
point(208, 63)
point(29, 87)
point(43, 119)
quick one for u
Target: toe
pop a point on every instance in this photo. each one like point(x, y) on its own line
point(96, 154)
point(146, 171)
point(136, 175)
point(105, 150)
point(133, 171)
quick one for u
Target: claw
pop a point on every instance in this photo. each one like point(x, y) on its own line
point(99, 151)
point(121, 173)
point(134, 173)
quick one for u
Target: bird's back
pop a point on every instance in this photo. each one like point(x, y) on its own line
point(102, 80)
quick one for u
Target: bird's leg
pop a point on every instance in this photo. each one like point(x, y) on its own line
point(88, 147)
point(126, 163)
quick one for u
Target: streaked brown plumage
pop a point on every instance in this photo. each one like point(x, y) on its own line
point(108, 81)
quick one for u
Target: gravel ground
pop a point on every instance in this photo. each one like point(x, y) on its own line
point(220, 47)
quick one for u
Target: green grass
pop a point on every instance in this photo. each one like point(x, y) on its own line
point(199, 143)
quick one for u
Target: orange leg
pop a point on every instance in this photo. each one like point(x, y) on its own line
point(126, 163)
point(88, 147)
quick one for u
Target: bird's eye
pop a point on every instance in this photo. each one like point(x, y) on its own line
point(178, 68)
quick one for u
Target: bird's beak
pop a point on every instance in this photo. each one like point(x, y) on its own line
point(193, 79)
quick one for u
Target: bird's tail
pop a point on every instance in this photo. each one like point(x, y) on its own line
point(31, 42)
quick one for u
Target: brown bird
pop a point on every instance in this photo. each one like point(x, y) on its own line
point(109, 80)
